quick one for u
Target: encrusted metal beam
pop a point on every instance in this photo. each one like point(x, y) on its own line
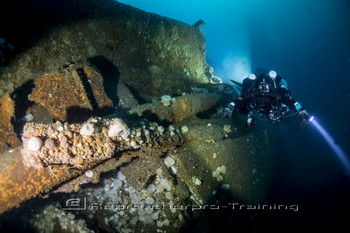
point(53, 154)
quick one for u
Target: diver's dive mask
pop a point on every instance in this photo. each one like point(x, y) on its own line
point(264, 86)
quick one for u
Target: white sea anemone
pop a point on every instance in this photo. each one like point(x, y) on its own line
point(184, 129)
point(169, 161)
point(165, 100)
point(87, 129)
point(89, 174)
point(118, 128)
point(34, 144)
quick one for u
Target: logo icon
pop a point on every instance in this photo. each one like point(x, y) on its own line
point(77, 203)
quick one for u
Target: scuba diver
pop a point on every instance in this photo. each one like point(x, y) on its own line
point(267, 95)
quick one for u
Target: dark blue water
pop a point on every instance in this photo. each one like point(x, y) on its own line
point(306, 42)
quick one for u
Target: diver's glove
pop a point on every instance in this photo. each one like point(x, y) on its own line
point(305, 116)
point(227, 112)
point(250, 120)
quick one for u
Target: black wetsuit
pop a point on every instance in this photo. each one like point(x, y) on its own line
point(263, 94)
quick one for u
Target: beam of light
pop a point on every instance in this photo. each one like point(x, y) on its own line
point(337, 150)
point(236, 67)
